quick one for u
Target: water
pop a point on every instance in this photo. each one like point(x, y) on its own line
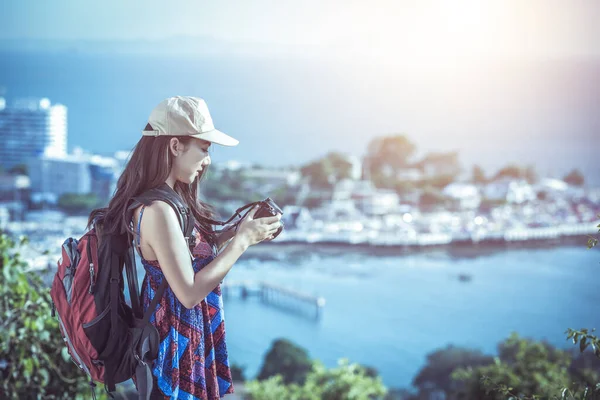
point(389, 312)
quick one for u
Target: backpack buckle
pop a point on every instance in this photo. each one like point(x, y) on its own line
point(139, 359)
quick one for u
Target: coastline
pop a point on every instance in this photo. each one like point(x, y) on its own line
point(458, 249)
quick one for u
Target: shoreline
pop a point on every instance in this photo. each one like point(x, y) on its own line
point(265, 251)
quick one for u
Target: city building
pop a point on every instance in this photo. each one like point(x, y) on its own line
point(53, 177)
point(77, 173)
point(30, 129)
point(466, 195)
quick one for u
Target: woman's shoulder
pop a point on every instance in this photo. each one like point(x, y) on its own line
point(158, 219)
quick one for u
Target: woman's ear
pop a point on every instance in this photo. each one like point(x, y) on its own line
point(175, 146)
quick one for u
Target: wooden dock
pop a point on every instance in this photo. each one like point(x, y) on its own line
point(275, 295)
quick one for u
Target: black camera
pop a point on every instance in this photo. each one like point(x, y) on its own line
point(268, 208)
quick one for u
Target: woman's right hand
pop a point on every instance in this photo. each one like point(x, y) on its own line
point(251, 231)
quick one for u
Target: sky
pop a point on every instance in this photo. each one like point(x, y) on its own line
point(427, 30)
point(497, 79)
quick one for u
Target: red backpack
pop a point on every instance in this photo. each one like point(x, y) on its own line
point(108, 339)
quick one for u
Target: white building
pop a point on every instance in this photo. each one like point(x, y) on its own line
point(466, 194)
point(31, 128)
point(78, 173)
point(274, 176)
point(511, 190)
point(57, 176)
point(356, 169)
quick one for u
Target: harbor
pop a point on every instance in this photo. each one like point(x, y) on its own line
point(275, 295)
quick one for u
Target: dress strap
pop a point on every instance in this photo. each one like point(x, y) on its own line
point(139, 232)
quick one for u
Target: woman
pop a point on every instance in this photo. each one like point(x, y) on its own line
point(192, 362)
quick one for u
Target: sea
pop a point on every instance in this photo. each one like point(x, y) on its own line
point(388, 310)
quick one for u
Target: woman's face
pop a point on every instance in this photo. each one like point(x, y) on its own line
point(191, 160)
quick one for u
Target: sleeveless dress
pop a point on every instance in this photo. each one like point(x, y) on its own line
point(192, 358)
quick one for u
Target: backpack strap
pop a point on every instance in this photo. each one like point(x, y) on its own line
point(172, 198)
point(186, 221)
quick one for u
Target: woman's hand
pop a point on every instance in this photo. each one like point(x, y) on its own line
point(252, 231)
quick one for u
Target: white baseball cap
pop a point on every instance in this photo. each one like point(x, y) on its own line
point(186, 116)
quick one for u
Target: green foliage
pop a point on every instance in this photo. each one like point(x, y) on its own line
point(437, 372)
point(584, 339)
point(288, 360)
point(391, 152)
point(346, 382)
point(37, 363)
point(324, 172)
point(525, 369)
point(593, 241)
point(78, 203)
point(237, 373)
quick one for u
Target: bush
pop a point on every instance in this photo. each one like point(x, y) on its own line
point(34, 362)
point(346, 382)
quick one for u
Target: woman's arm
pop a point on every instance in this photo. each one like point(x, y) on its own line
point(161, 230)
point(224, 237)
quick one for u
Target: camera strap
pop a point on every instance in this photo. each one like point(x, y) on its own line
point(236, 213)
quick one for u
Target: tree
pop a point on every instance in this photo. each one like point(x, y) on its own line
point(288, 360)
point(510, 171)
point(530, 175)
point(318, 173)
point(437, 372)
point(78, 203)
point(37, 364)
point(478, 175)
point(346, 382)
point(238, 373)
point(326, 171)
point(526, 369)
point(389, 153)
point(430, 198)
point(515, 172)
point(574, 178)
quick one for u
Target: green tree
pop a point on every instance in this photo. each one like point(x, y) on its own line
point(31, 346)
point(78, 203)
point(288, 360)
point(325, 171)
point(574, 178)
point(388, 153)
point(238, 373)
point(346, 382)
point(530, 370)
point(437, 372)
point(319, 173)
point(526, 367)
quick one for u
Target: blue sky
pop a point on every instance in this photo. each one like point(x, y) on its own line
point(479, 75)
point(491, 28)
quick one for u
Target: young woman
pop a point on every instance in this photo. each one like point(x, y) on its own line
point(192, 362)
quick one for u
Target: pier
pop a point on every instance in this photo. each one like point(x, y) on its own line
point(275, 295)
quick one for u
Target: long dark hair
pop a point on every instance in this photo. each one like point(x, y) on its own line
point(147, 168)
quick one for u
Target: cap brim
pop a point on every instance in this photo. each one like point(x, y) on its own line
point(218, 137)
